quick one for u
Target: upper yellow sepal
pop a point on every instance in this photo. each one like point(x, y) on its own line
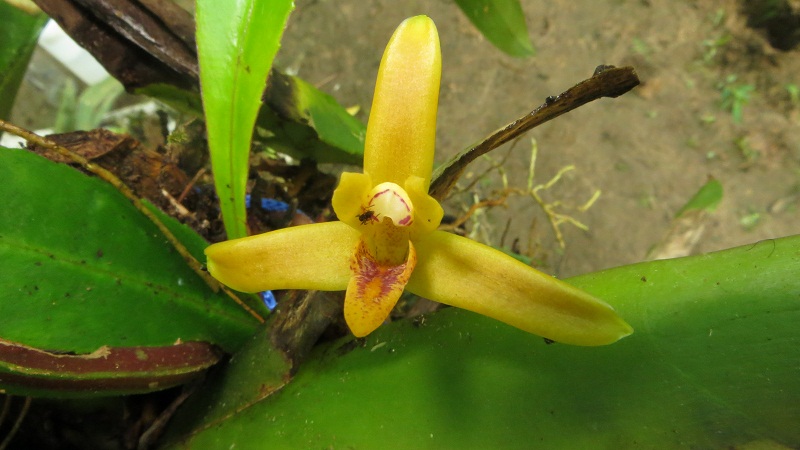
point(401, 133)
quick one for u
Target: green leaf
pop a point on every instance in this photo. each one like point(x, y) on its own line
point(65, 116)
point(95, 103)
point(502, 22)
point(87, 111)
point(687, 227)
point(253, 374)
point(712, 364)
point(184, 101)
point(236, 41)
point(297, 119)
point(82, 268)
point(18, 35)
point(196, 245)
point(299, 116)
point(706, 199)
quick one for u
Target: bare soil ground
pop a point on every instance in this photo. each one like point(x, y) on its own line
point(648, 151)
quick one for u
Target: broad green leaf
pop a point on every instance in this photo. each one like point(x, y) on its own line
point(236, 41)
point(82, 268)
point(713, 364)
point(502, 22)
point(18, 35)
point(196, 245)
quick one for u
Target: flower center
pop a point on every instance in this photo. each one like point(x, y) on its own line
point(388, 200)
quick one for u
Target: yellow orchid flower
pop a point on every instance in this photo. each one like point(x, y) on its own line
point(386, 240)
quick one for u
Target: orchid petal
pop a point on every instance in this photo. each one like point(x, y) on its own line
point(350, 196)
point(428, 212)
point(374, 289)
point(315, 256)
point(464, 273)
point(401, 132)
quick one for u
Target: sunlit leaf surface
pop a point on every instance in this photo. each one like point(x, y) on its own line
point(713, 364)
point(82, 268)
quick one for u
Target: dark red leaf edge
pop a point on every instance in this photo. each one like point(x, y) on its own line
point(26, 370)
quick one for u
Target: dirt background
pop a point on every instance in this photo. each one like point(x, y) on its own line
point(648, 151)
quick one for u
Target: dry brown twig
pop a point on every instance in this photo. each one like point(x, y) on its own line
point(607, 81)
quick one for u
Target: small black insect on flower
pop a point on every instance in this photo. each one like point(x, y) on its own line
point(367, 216)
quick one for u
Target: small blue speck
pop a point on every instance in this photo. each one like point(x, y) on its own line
point(269, 299)
point(270, 204)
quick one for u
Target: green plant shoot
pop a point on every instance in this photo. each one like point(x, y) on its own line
point(236, 42)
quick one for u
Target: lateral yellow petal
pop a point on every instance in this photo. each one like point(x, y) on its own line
point(428, 212)
point(464, 273)
point(315, 256)
point(374, 290)
point(350, 196)
point(401, 133)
